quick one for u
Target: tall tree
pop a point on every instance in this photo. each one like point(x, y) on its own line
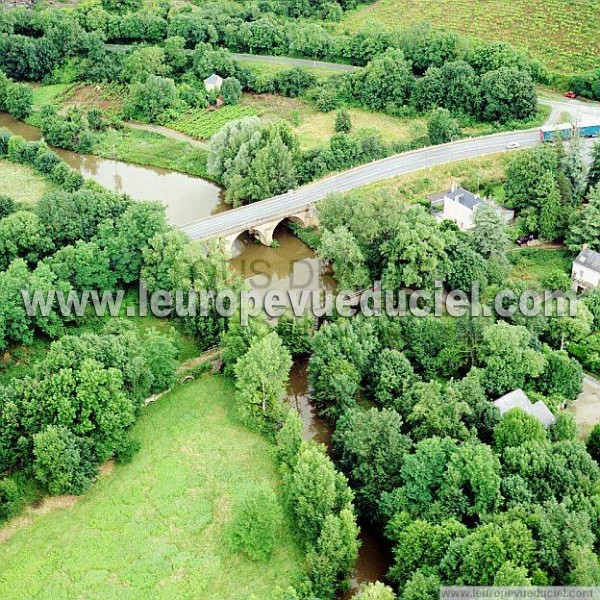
point(574, 167)
point(507, 358)
point(551, 213)
point(371, 448)
point(489, 233)
point(387, 79)
point(506, 94)
point(524, 172)
point(342, 250)
point(441, 127)
point(261, 376)
point(593, 178)
point(584, 224)
point(414, 254)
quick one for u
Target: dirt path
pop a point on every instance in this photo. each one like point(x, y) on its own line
point(586, 409)
point(170, 133)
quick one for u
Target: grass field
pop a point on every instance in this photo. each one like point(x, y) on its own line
point(562, 35)
point(476, 174)
point(22, 183)
point(152, 149)
point(314, 128)
point(263, 67)
point(51, 94)
point(156, 528)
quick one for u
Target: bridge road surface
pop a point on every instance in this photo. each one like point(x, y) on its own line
point(287, 204)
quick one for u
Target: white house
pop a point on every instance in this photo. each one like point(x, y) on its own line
point(586, 270)
point(459, 205)
point(213, 83)
point(518, 399)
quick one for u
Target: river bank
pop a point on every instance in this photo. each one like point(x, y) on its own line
point(289, 264)
point(186, 197)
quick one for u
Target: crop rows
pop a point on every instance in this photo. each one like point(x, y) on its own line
point(562, 35)
point(202, 124)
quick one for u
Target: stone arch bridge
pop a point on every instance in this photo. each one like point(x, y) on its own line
point(262, 228)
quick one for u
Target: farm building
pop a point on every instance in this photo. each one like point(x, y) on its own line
point(213, 83)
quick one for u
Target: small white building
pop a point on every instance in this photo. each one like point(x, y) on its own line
point(213, 83)
point(519, 399)
point(459, 205)
point(586, 270)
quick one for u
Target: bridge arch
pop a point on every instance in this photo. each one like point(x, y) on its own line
point(264, 232)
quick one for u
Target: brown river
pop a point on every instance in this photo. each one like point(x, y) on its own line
point(288, 264)
point(187, 198)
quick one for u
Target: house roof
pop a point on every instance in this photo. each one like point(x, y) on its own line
point(436, 197)
point(518, 399)
point(465, 197)
point(590, 259)
point(214, 78)
point(542, 413)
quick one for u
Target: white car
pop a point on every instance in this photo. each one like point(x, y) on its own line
point(513, 145)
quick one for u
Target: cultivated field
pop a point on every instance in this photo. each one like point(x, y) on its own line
point(158, 527)
point(563, 35)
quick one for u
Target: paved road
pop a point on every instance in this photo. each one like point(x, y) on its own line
point(399, 164)
point(580, 111)
point(275, 60)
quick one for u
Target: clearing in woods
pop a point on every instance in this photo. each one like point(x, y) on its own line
point(158, 527)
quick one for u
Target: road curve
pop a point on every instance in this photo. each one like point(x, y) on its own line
point(399, 164)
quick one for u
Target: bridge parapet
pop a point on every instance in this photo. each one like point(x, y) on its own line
point(264, 229)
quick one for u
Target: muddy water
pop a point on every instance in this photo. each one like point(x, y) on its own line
point(187, 198)
point(374, 558)
point(293, 265)
point(290, 264)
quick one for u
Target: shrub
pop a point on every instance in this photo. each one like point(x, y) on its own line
point(7, 206)
point(9, 499)
point(19, 101)
point(58, 463)
point(516, 428)
point(160, 352)
point(593, 443)
point(95, 119)
point(86, 142)
point(256, 522)
point(126, 450)
point(67, 178)
point(5, 136)
point(152, 100)
point(327, 99)
point(343, 122)
point(17, 149)
point(231, 91)
point(45, 161)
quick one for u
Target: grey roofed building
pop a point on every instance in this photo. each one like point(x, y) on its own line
point(465, 197)
point(518, 399)
point(589, 258)
point(585, 272)
point(213, 82)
